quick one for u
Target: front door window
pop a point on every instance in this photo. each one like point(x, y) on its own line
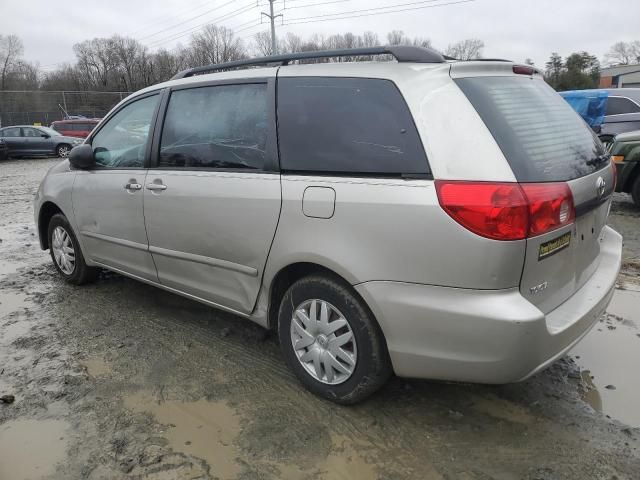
point(122, 142)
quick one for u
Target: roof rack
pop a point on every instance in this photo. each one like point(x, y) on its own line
point(400, 52)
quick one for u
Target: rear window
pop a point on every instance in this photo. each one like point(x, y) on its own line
point(541, 136)
point(347, 125)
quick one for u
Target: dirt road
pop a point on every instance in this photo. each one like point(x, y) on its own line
point(121, 380)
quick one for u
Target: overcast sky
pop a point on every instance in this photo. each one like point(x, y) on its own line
point(513, 29)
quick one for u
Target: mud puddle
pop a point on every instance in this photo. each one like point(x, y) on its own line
point(11, 302)
point(203, 429)
point(31, 449)
point(96, 366)
point(609, 357)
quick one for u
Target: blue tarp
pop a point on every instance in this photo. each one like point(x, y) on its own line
point(590, 104)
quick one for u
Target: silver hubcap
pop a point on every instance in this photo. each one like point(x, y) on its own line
point(63, 252)
point(63, 152)
point(323, 342)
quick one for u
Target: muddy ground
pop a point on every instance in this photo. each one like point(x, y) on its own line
point(120, 380)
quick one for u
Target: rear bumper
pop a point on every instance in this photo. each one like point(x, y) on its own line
point(486, 336)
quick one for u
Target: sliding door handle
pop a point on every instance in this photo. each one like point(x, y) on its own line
point(156, 186)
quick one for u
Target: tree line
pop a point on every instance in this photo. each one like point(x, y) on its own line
point(123, 64)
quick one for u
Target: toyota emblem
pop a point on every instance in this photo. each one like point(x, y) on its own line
point(600, 186)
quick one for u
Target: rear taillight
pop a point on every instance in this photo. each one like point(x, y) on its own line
point(507, 211)
point(550, 206)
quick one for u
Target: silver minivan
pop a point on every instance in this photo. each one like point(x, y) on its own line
point(425, 217)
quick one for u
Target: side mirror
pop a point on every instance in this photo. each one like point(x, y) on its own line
point(82, 157)
point(44, 135)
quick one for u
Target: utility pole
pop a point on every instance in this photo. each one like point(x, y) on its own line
point(272, 17)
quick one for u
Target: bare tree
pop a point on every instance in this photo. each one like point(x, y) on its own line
point(623, 53)
point(131, 59)
point(397, 37)
point(11, 50)
point(215, 44)
point(466, 49)
point(261, 44)
point(163, 65)
point(292, 44)
point(370, 39)
point(66, 77)
point(96, 62)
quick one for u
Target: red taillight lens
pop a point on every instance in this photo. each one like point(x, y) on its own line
point(493, 210)
point(507, 211)
point(550, 206)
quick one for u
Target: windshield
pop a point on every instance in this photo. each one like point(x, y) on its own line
point(541, 136)
point(50, 131)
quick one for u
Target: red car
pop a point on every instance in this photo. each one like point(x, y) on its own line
point(75, 128)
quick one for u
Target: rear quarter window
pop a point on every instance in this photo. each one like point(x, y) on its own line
point(541, 136)
point(347, 125)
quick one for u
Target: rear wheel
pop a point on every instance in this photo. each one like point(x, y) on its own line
point(63, 150)
point(331, 341)
point(66, 254)
point(635, 191)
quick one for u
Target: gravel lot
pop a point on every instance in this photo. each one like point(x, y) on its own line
point(121, 380)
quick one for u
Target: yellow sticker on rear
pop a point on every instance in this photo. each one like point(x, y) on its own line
point(554, 246)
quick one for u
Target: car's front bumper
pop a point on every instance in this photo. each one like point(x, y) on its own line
point(485, 336)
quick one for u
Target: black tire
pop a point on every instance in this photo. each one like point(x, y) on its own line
point(372, 366)
point(63, 150)
point(607, 140)
point(635, 191)
point(81, 272)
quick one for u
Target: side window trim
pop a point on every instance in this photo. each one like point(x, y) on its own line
point(161, 93)
point(272, 164)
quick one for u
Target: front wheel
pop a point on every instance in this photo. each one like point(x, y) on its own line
point(63, 151)
point(66, 254)
point(331, 341)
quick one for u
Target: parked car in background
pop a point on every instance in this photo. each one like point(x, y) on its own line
point(326, 220)
point(625, 152)
point(621, 110)
point(27, 140)
point(75, 128)
point(4, 150)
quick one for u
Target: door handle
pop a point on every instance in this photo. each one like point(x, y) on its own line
point(156, 186)
point(133, 186)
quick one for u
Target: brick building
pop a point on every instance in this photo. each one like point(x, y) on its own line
point(621, 76)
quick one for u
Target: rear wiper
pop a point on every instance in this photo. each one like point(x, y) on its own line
point(598, 160)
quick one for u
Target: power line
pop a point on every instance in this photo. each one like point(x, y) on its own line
point(187, 21)
point(182, 33)
point(311, 4)
point(368, 13)
point(227, 16)
point(167, 20)
point(367, 10)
